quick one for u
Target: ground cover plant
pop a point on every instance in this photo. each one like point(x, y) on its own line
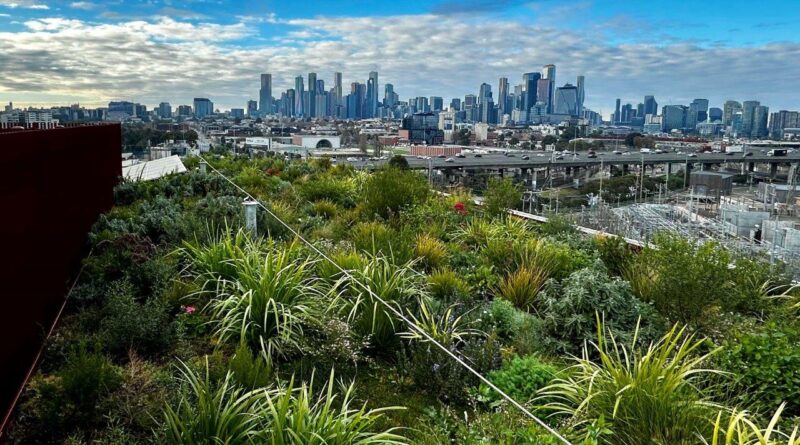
point(188, 329)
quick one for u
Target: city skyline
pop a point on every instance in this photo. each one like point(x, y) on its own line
point(60, 52)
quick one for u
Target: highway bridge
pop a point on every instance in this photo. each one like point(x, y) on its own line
point(537, 160)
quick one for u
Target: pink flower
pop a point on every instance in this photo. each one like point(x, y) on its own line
point(188, 309)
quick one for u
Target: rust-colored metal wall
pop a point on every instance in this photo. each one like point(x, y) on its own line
point(53, 186)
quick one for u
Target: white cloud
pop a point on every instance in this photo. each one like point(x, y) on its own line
point(24, 4)
point(86, 6)
point(166, 59)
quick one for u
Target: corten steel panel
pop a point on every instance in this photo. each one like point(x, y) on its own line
point(53, 186)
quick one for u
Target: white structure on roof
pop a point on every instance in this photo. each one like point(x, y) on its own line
point(145, 171)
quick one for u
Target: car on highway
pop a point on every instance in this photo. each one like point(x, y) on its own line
point(450, 160)
point(591, 156)
point(658, 151)
point(617, 152)
point(478, 155)
point(351, 159)
point(729, 153)
point(441, 156)
point(559, 158)
point(747, 153)
point(626, 154)
point(526, 158)
point(460, 155)
point(692, 155)
point(511, 155)
point(420, 157)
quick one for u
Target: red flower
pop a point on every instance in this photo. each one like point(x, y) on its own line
point(460, 208)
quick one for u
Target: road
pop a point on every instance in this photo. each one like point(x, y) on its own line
point(540, 159)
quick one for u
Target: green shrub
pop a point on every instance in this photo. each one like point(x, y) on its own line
point(765, 366)
point(376, 238)
point(86, 378)
point(129, 325)
point(520, 378)
point(340, 191)
point(569, 311)
point(431, 252)
point(615, 253)
point(248, 370)
point(501, 194)
point(647, 396)
point(446, 285)
point(326, 209)
point(391, 190)
point(522, 287)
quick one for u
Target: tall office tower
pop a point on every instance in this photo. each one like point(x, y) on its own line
point(487, 113)
point(390, 98)
point(673, 117)
point(748, 116)
point(781, 120)
point(265, 94)
point(502, 95)
point(626, 114)
point(530, 83)
point(299, 92)
point(566, 100)
point(471, 107)
point(640, 110)
point(484, 93)
point(650, 106)
point(715, 114)
point(549, 73)
point(312, 95)
point(730, 108)
point(455, 104)
point(422, 104)
point(371, 108)
point(760, 120)
point(698, 112)
point(337, 87)
point(291, 99)
point(617, 116)
point(355, 104)
point(164, 110)
point(542, 92)
point(202, 107)
point(252, 108)
point(437, 104)
point(581, 94)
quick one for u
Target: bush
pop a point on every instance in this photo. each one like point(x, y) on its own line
point(501, 194)
point(569, 311)
point(378, 239)
point(326, 209)
point(446, 285)
point(615, 253)
point(129, 325)
point(765, 366)
point(522, 287)
point(430, 250)
point(391, 190)
point(250, 371)
point(520, 378)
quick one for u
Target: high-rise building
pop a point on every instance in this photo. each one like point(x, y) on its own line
point(650, 106)
point(715, 114)
point(617, 118)
point(748, 117)
point(760, 121)
point(730, 108)
point(164, 110)
point(203, 107)
point(237, 113)
point(581, 94)
point(781, 120)
point(502, 95)
point(265, 94)
point(252, 108)
point(372, 95)
point(455, 104)
point(549, 73)
point(530, 86)
point(566, 100)
point(484, 93)
point(184, 110)
point(673, 117)
point(312, 95)
point(626, 114)
point(299, 94)
point(390, 98)
point(337, 87)
point(437, 104)
point(698, 112)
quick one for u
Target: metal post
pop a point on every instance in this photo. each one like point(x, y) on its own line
point(251, 216)
point(203, 167)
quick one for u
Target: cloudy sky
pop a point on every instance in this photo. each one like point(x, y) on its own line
point(93, 51)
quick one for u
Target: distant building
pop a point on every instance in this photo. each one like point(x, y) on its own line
point(164, 110)
point(422, 128)
point(184, 110)
point(673, 117)
point(650, 106)
point(316, 141)
point(203, 107)
point(252, 108)
point(715, 114)
point(566, 100)
point(237, 113)
point(730, 108)
point(265, 94)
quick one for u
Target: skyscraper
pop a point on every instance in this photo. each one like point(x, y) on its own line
point(252, 108)
point(530, 84)
point(730, 108)
point(566, 100)
point(581, 94)
point(437, 104)
point(203, 107)
point(312, 95)
point(265, 94)
point(502, 95)
point(372, 95)
point(617, 118)
point(673, 117)
point(748, 116)
point(549, 73)
point(715, 114)
point(337, 87)
point(164, 110)
point(390, 98)
point(299, 93)
point(760, 120)
point(650, 106)
point(455, 104)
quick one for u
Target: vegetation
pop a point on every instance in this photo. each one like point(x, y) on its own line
point(185, 328)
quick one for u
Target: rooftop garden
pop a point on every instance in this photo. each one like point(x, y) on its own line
point(186, 328)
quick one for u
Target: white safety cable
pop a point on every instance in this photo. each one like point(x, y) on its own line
point(394, 310)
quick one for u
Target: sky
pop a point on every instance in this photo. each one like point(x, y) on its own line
point(59, 52)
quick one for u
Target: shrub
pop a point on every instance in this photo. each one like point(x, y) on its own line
point(376, 238)
point(520, 378)
point(503, 317)
point(326, 209)
point(446, 285)
point(129, 325)
point(765, 366)
point(501, 194)
point(569, 311)
point(522, 287)
point(477, 232)
point(431, 251)
point(86, 378)
point(398, 161)
point(248, 370)
point(267, 302)
point(646, 396)
point(340, 191)
point(390, 190)
point(742, 429)
point(615, 253)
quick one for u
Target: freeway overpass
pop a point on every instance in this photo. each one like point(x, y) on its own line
point(542, 160)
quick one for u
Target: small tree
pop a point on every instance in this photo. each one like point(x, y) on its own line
point(399, 161)
point(501, 194)
point(513, 141)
